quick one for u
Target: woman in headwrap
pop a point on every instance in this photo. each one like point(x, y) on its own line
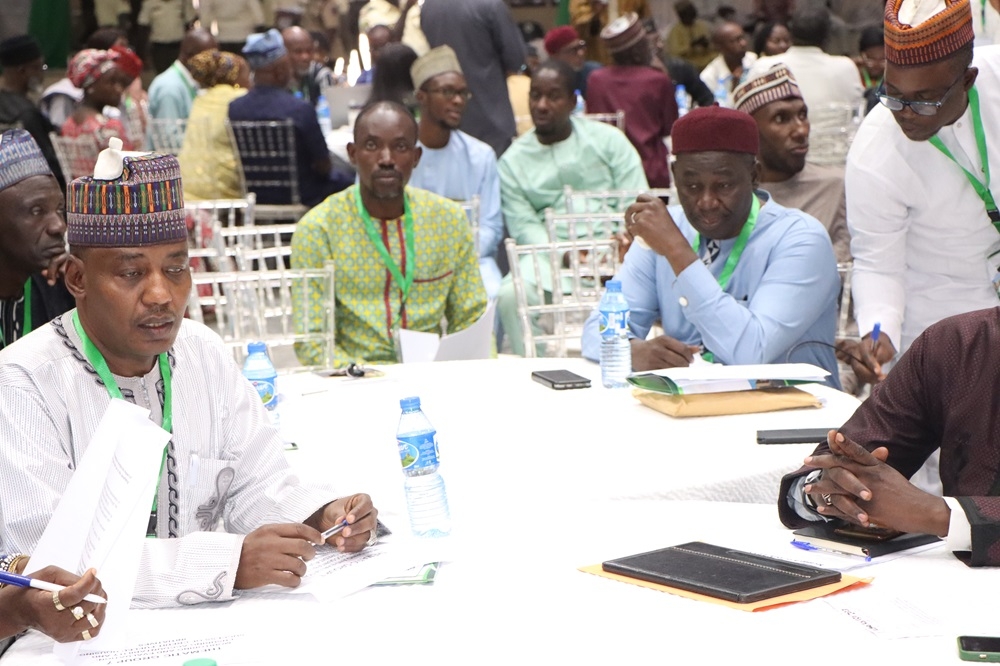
point(135, 101)
point(208, 159)
point(96, 73)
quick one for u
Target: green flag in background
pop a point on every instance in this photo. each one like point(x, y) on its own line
point(562, 14)
point(49, 24)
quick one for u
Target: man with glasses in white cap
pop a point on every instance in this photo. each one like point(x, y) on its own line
point(454, 164)
point(921, 208)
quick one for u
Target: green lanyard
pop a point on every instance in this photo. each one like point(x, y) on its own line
point(96, 359)
point(734, 255)
point(867, 78)
point(394, 269)
point(192, 91)
point(26, 326)
point(738, 247)
point(982, 188)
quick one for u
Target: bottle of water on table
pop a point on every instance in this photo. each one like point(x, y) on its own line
point(426, 498)
point(683, 101)
point(260, 371)
point(323, 115)
point(616, 350)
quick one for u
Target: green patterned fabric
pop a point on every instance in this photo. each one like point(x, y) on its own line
point(447, 285)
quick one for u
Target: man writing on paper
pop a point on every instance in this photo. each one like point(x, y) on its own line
point(929, 402)
point(404, 257)
point(228, 513)
point(32, 243)
point(729, 271)
point(920, 206)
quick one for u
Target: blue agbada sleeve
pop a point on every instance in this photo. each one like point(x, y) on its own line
point(797, 285)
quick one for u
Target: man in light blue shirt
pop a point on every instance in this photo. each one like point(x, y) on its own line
point(454, 164)
point(172, 92)
point(729, 271)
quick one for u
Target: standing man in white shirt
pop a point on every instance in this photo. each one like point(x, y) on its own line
point(923, 221)
point(825, 80)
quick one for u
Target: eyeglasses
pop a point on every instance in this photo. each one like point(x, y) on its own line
point(919, 108)
point(452, 93)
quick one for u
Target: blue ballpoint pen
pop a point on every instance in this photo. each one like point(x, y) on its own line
point(876, 330)
point(23, 581)
point(805, 545)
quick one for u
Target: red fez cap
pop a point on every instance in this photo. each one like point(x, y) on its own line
point(559, 38)
point(709, 128)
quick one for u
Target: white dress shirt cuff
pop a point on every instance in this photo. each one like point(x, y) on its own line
point(959, 529)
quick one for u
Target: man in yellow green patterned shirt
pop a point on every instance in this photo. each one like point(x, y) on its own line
point(404, 258)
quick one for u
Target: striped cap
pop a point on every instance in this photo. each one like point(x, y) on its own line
point(777, 83)
point(623, 33)
point(941, 28)
point(20, 158)
point(143, 206)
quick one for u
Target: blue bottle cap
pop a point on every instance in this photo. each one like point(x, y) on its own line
point(613, 285)
point(255, 347)
point(410, 403)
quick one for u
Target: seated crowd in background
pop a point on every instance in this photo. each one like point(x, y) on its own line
point(741, 269)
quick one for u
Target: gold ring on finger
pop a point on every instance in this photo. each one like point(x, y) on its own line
point(77, 613)
point(92, 620)
point(827, 499)
point(86, 634)
point(55, 600)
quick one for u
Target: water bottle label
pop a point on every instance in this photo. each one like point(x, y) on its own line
point(418, 451)
point(613, 321)
point(268, 395)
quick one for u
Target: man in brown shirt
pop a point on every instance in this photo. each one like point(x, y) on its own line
point(775, 103)
point(941, 395)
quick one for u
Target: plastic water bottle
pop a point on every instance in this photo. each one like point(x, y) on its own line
point(581, 104)
point(426, 497)
point(683, 103)
point(616, 350)
point(722, 91)
point(261, 373)
point(323, 115)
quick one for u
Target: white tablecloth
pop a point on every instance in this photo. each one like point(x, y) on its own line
point(501, 432)
point(513, 595)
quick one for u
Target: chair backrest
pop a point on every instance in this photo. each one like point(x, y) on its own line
point(271, 306)
point(608, 201)
point(617, 118)
point(266, 151)
point(832, 129)
point(579, 269)
point(472, 211)
point(77, 155)
point(207, 220)
point(166, 135)
point(595, 213)
point(576, 226)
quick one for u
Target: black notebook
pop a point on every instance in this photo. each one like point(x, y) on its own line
point(721, 572)
point(829, 536)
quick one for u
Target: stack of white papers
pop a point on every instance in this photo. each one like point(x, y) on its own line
point(718, 378)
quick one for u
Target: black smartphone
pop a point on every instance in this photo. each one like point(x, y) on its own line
point(979, 648)
point(560, 380)
point(793, 436)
